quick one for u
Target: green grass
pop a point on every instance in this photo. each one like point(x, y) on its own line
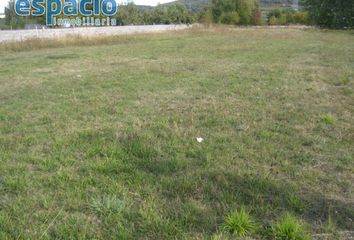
point(289, 228)
point(239, 223)
point(328, 119)
point(98, 136)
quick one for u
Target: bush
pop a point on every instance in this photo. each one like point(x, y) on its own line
point(230, 18)
point(205, 16)
point(301, 17)
point(272, 21)
point(287, 16)
point(129, 14)
point(224, 11)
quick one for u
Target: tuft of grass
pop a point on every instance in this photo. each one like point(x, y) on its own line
point(289, 228)
point(220, 236)
point(296, 203)
point(138, 147)
point(330, 227)
point(239, 223)
point(344, 81)
point(328, 119)
point(108, 204)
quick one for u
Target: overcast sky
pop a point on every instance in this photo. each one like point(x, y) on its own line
point(3, 3)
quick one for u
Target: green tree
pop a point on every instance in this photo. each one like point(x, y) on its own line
point(331, 13)
point(11, 18)
point(230, 18)
point(227, 10)
point(286, 16)
point(178, 13)
point(129, 15)
point(170, 14)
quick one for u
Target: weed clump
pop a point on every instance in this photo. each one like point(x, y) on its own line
point(289, 228)
point(328, 119)
point(296, 204)
point(239, 223)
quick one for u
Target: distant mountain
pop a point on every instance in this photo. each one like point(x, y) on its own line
point(196, 5)
point(144, 7)
point(192, 5)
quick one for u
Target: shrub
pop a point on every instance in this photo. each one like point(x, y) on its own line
point(224, 10)
point(296, 203)
point(289, 228)
point(230, 18)
point(239, 223)
point(301, 17)
point(283, 19)
point(272, 20)
point(130, 14)
point(286, 16)
point(274, 12)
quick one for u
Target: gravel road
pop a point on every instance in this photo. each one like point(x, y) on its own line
point(21, 35)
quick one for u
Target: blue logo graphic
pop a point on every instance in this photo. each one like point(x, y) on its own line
point(86, 9)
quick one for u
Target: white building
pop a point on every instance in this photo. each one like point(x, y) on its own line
point(2, 15)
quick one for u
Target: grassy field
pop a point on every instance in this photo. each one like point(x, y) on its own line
point(98, 136)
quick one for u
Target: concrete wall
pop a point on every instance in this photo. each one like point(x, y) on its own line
point(21, 35)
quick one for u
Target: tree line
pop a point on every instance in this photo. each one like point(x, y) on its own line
point(325, 13)
point(130, 14)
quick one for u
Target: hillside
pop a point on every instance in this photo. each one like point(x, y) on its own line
point(196, 5)
point(193, 5)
